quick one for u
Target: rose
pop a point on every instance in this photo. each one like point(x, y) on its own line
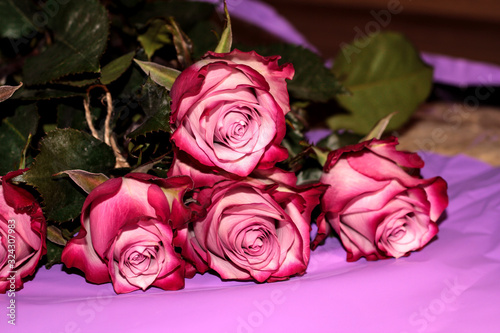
point(22, 234)
point(228, 111)
point(255, 229)
point(377, 208)
point(126, 233)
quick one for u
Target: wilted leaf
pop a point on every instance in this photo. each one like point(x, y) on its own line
point(60, 150)
point(80, 31)
point(384, 74)
point(87, 181)
point(182, 43)
point(7, 91)
point(14, 133)
point(54, 235)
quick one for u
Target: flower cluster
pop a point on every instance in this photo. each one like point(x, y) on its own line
point(246, 218)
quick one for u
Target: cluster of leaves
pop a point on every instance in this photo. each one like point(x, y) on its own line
point(72, 70)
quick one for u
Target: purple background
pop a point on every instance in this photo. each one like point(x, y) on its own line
point(452, 285)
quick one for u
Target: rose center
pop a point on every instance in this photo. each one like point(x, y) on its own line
point(253, 242)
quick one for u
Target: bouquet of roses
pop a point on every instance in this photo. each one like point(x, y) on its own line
point(214, 175)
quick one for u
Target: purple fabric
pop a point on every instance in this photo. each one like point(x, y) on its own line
point(449, 286)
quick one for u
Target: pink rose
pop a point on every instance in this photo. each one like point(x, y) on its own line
point(22, 234)
point(253, 230)
point(228, 111)
point(126, 233)
point(378, 209)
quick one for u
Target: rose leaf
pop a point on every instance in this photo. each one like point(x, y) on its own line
point(60, 150)
point(54, 252)
point(155, 37)
point(80, 34)
point(164, 76)
point(384, 74)
point(312, 80)
point(116, 68)
point(226, 39)
point(16, 18)
point(155, 104)
point(7, 91)
point(14, 134)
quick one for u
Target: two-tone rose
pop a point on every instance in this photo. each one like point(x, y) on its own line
point(126, 234)
point(256, 229)
point(22, 233)
point(228, 111)
point(378, 209)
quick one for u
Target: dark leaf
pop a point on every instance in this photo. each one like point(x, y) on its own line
point(16, 17)
point(186, 13)
point(14, 133)
point(157, 108)
point(54, 253)
point(182, 43)
point(60, 150)
point(312, 80)
point(80, 30)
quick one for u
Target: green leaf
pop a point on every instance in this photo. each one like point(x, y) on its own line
point(379, 128)
point(226, 39)
point(312, 80)
point(60, 150)
point(157, 108)
point(384, 74)
point(321, 155)
point(14, 134)
point(7, 91)
point(155, 37)
point(164, 76)
point(80, 31)
point(116, 68)
point(16, 17)
point(54, 253)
